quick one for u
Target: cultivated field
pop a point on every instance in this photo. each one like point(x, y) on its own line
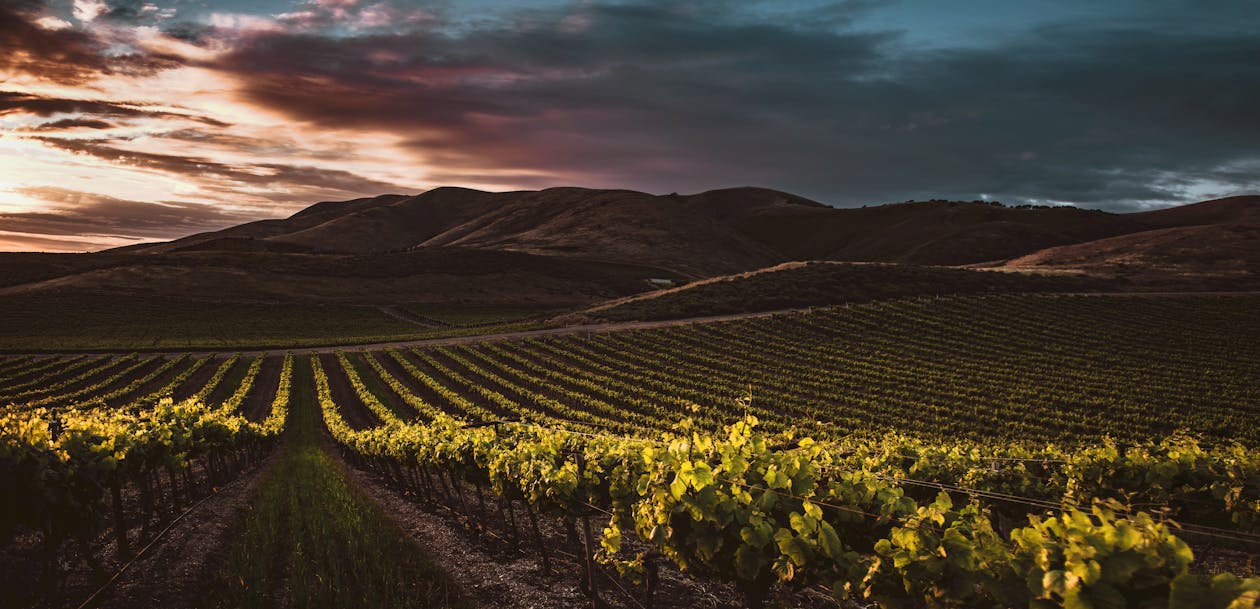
point(55, 322)
point(891, 452)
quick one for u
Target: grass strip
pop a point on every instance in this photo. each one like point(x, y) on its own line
point(310, 539)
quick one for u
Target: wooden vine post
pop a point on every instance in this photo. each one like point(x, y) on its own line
point(588, 541)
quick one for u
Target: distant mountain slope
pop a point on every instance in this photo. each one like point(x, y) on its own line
point(1230, 210)
point(314, 215)
point(670, 232)
point(693, 234)
point(683, 233)
point(463, 245)
point(931, 232)
point(1215, 243)
point(399, 225)
point(1209, 249)
point(701, 235)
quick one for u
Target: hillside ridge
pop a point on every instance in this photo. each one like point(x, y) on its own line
point(582, 245)
point(706, 234)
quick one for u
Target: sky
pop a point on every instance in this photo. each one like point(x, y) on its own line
point(124, 121)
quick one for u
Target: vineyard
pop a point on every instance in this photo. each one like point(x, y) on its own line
point(1036, 450)
point(37, 323)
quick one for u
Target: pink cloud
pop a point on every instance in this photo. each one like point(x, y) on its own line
point(335, 4)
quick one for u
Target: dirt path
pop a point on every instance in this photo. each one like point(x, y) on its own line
point(180, 568)
point(488, 577)
point(593, 328)
point(491, 573)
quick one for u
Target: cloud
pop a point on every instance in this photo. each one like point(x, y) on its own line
point(611, 103)
point(285, 183)
point(137, 11)
point(44, 106)
point(68, 55)
point(89, 216)
point(73, 123)
point(354, 16)
point(62, 55)
point(665, 97)
point(88, 10)
point(53, 23)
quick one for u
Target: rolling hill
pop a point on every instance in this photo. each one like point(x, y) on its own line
point(702, 235)
point(1216, 243)
point(581, 245)
point(695, 235)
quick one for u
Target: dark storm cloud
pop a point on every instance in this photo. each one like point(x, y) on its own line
point(133, 11)
point(65, 56)
point(196, 33)
point(1155, 104)
point(1092, 115)
point(73, 123)
point(660, 97)
point(62, 55)
point(44, 106)
point(626, 86)
point(82, 214)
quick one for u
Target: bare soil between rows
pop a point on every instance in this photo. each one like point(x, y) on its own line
point(175, 571)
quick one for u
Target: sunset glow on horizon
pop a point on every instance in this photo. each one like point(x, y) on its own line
point(124, 121)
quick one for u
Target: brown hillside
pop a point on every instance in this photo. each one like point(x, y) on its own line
point(458, 244)
point(1215, 241)
point(1210, 250)
point(700, 235)
point(686, 233)
point(1230, 210)
point(670, 232)
point(930, 232)
point(401, 224)
point(314, 215)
